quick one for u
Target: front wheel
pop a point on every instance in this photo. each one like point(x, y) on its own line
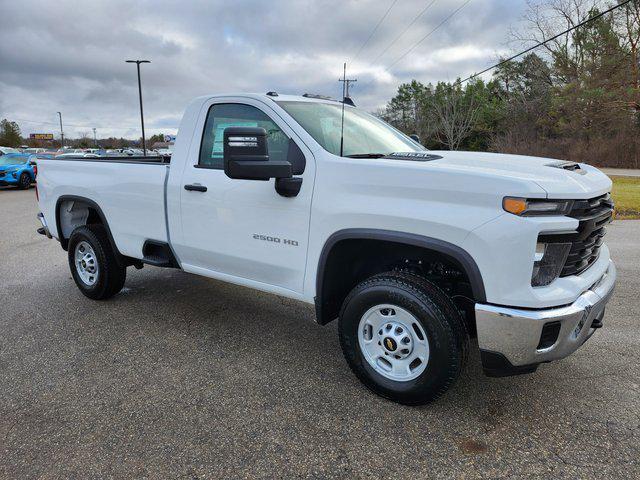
point(24, 182)
point(93, 263)
point(403, 337)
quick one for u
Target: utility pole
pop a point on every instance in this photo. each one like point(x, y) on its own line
point(95, 140)
point(345, 82)
point(61, 133)
point(138, 62)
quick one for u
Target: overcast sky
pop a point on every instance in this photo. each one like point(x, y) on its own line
point(69, 55)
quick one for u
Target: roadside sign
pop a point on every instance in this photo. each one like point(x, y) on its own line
point(41, 136)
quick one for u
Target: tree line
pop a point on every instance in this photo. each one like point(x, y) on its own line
point(577, 97)
point(10, 136)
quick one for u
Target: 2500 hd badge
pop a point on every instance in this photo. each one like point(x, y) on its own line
point(267, 238)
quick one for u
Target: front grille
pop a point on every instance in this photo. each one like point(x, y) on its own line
point(594, 214)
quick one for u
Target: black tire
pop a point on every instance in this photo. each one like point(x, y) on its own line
point(24, 182)
point(111, 274)
point(438, 316)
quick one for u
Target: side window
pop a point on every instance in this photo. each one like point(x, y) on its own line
point(225, 115)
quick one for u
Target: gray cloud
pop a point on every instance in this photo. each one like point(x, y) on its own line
point(69, 55)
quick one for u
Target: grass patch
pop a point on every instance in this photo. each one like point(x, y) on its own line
point(626, 196)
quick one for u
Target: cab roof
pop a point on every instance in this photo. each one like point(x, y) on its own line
point(278, 97)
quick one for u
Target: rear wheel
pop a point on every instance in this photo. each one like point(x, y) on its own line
point(403, 337)
point(24, 182)
point(93, 263)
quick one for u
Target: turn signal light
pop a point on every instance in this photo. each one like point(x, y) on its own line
point(536, 206)
point(514, 205)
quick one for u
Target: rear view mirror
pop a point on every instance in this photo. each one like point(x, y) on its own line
point(246, 155)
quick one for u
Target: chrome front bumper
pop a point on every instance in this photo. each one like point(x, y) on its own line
point(514, 335)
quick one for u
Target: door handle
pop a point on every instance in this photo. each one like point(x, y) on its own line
point(195, 187)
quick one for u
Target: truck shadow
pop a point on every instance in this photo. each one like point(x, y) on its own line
point(270, 327)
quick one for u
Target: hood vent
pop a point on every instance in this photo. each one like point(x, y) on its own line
point(413, 156)
point(564, 165)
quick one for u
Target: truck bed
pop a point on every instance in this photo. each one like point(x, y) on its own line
point(130, 192)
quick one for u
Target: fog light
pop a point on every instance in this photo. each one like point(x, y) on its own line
point(548, 262)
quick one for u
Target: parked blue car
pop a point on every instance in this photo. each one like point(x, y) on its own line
point(17, 169)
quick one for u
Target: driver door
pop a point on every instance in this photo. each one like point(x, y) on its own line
point(243, 230)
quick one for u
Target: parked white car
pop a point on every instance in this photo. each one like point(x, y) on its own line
point(77, 155)
point(414, 251)
point(6, 150)
point(165, 152)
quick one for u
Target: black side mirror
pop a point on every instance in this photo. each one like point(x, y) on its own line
point(414, 137)
point(246, 155)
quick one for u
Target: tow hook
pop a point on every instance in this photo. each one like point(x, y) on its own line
point(597, 322)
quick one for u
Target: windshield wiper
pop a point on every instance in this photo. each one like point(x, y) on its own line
point(367, 155)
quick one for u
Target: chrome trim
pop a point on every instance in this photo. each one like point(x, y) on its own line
point(515, 333)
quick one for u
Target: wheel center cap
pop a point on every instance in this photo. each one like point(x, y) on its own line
point(390, 344)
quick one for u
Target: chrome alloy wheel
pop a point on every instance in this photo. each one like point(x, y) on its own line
point(86, 263)
point(393, 342)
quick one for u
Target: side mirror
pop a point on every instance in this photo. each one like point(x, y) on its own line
point(415, 137)
point(246, 155)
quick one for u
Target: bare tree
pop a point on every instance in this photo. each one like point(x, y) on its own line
point(454, 117)
point(545, 19)
point(631, 39)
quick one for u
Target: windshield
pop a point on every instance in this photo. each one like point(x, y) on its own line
point(12, 159)
point(364, 134)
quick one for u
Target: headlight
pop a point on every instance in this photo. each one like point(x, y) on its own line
point(535, 206)
point(548, 262)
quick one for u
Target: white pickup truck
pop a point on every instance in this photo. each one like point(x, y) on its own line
point(414, 251)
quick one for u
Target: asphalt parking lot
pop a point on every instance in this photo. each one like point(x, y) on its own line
point(184, 377)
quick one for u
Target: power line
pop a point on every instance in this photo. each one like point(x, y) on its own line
point(451, 15)
point(513, 57)
point(375, 29)
point(404, 31)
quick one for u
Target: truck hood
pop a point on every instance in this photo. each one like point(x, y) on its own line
point(558, 178)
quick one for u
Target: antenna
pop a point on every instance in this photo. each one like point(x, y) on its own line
point(345, 94)
point(344, 80)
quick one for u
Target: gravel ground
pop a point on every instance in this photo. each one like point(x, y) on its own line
point(184, 377)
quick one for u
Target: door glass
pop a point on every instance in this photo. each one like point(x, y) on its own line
point(225, 115)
